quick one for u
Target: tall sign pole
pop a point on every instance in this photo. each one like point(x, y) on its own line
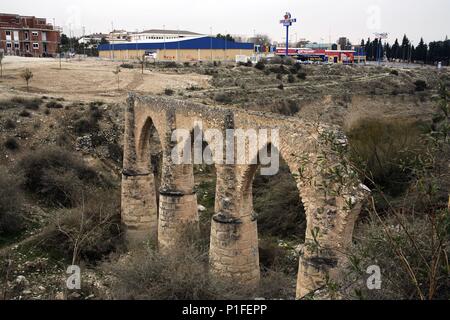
point(287, 22)
point(381, 37)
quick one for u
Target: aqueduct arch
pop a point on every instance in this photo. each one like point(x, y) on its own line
point(331, 193)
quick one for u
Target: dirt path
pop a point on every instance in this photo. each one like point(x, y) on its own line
point(90, 79)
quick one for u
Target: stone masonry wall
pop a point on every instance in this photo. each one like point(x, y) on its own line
point(311, 151)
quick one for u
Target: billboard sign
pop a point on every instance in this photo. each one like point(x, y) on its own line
point(288, 20)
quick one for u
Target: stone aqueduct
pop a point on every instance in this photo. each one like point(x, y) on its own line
point(160, 210)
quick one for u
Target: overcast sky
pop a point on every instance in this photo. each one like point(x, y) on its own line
point(318, 20)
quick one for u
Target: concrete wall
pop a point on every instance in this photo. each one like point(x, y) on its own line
point(179, 55)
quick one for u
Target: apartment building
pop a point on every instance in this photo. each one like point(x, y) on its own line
point(28, 36)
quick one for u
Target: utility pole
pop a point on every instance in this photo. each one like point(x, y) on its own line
point(226, 42)
point(178, 41)
point(136, 38)
point(210, 30)
point(112, 39)
point(410, 52)
point(84, 44)
point(164, 30)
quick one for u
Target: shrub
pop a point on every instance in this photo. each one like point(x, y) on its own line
point(16, 102)
point(193, 88)
point(275, 60)
point(421, 85)
point(412, 252)
point(115, 152)
point(291, 78)
point(260, 65)
point(85, 125)
point(169, 92)
point(273, 195)
point(223, 97)
point(384, 151)
point(288, 61)
point(296, 68)
point(11, 218)
point(11, 144)
point(95, 113)
point(57, 176)
point(287, 108)
point(127, 66)
point(25, 114)
point(394, 72)
point(170, 64)
point(182, 274)
point(301, 75)
point(281, 86)
point(32, 104)
point(282, 70)
point(54, 105)
point(10, 124)
point(89, 231)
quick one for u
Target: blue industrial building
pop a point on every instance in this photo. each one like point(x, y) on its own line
point(183, 49)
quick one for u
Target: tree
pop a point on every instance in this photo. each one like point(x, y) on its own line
point(27, 75)
point(388, 50)
point(104, 41)
point(396, 50)
point(141, 61)
point(64, 40)
point(227, 37)
point(260, 40)
point(420, 53)
point(1, 64)
point(405, 49)
point(117, 73)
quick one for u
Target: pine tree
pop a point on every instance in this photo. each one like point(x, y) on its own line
point(396, 50)
point(388, 50)
point(405, 48)
point(420, 53)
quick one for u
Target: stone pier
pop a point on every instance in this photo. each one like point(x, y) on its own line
point(331, 193)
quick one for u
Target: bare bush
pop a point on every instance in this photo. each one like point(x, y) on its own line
point(27, 75)
point(89, 231)
point(11, 218)
point(183, 275)
point(412, 252)
point(385, 150)
point(57, 176)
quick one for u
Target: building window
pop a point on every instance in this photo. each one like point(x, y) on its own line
point(8, 33)
point(35, 45)
point(35, 33)
point(26, 35)
point(16, 45)
point(8, 45)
